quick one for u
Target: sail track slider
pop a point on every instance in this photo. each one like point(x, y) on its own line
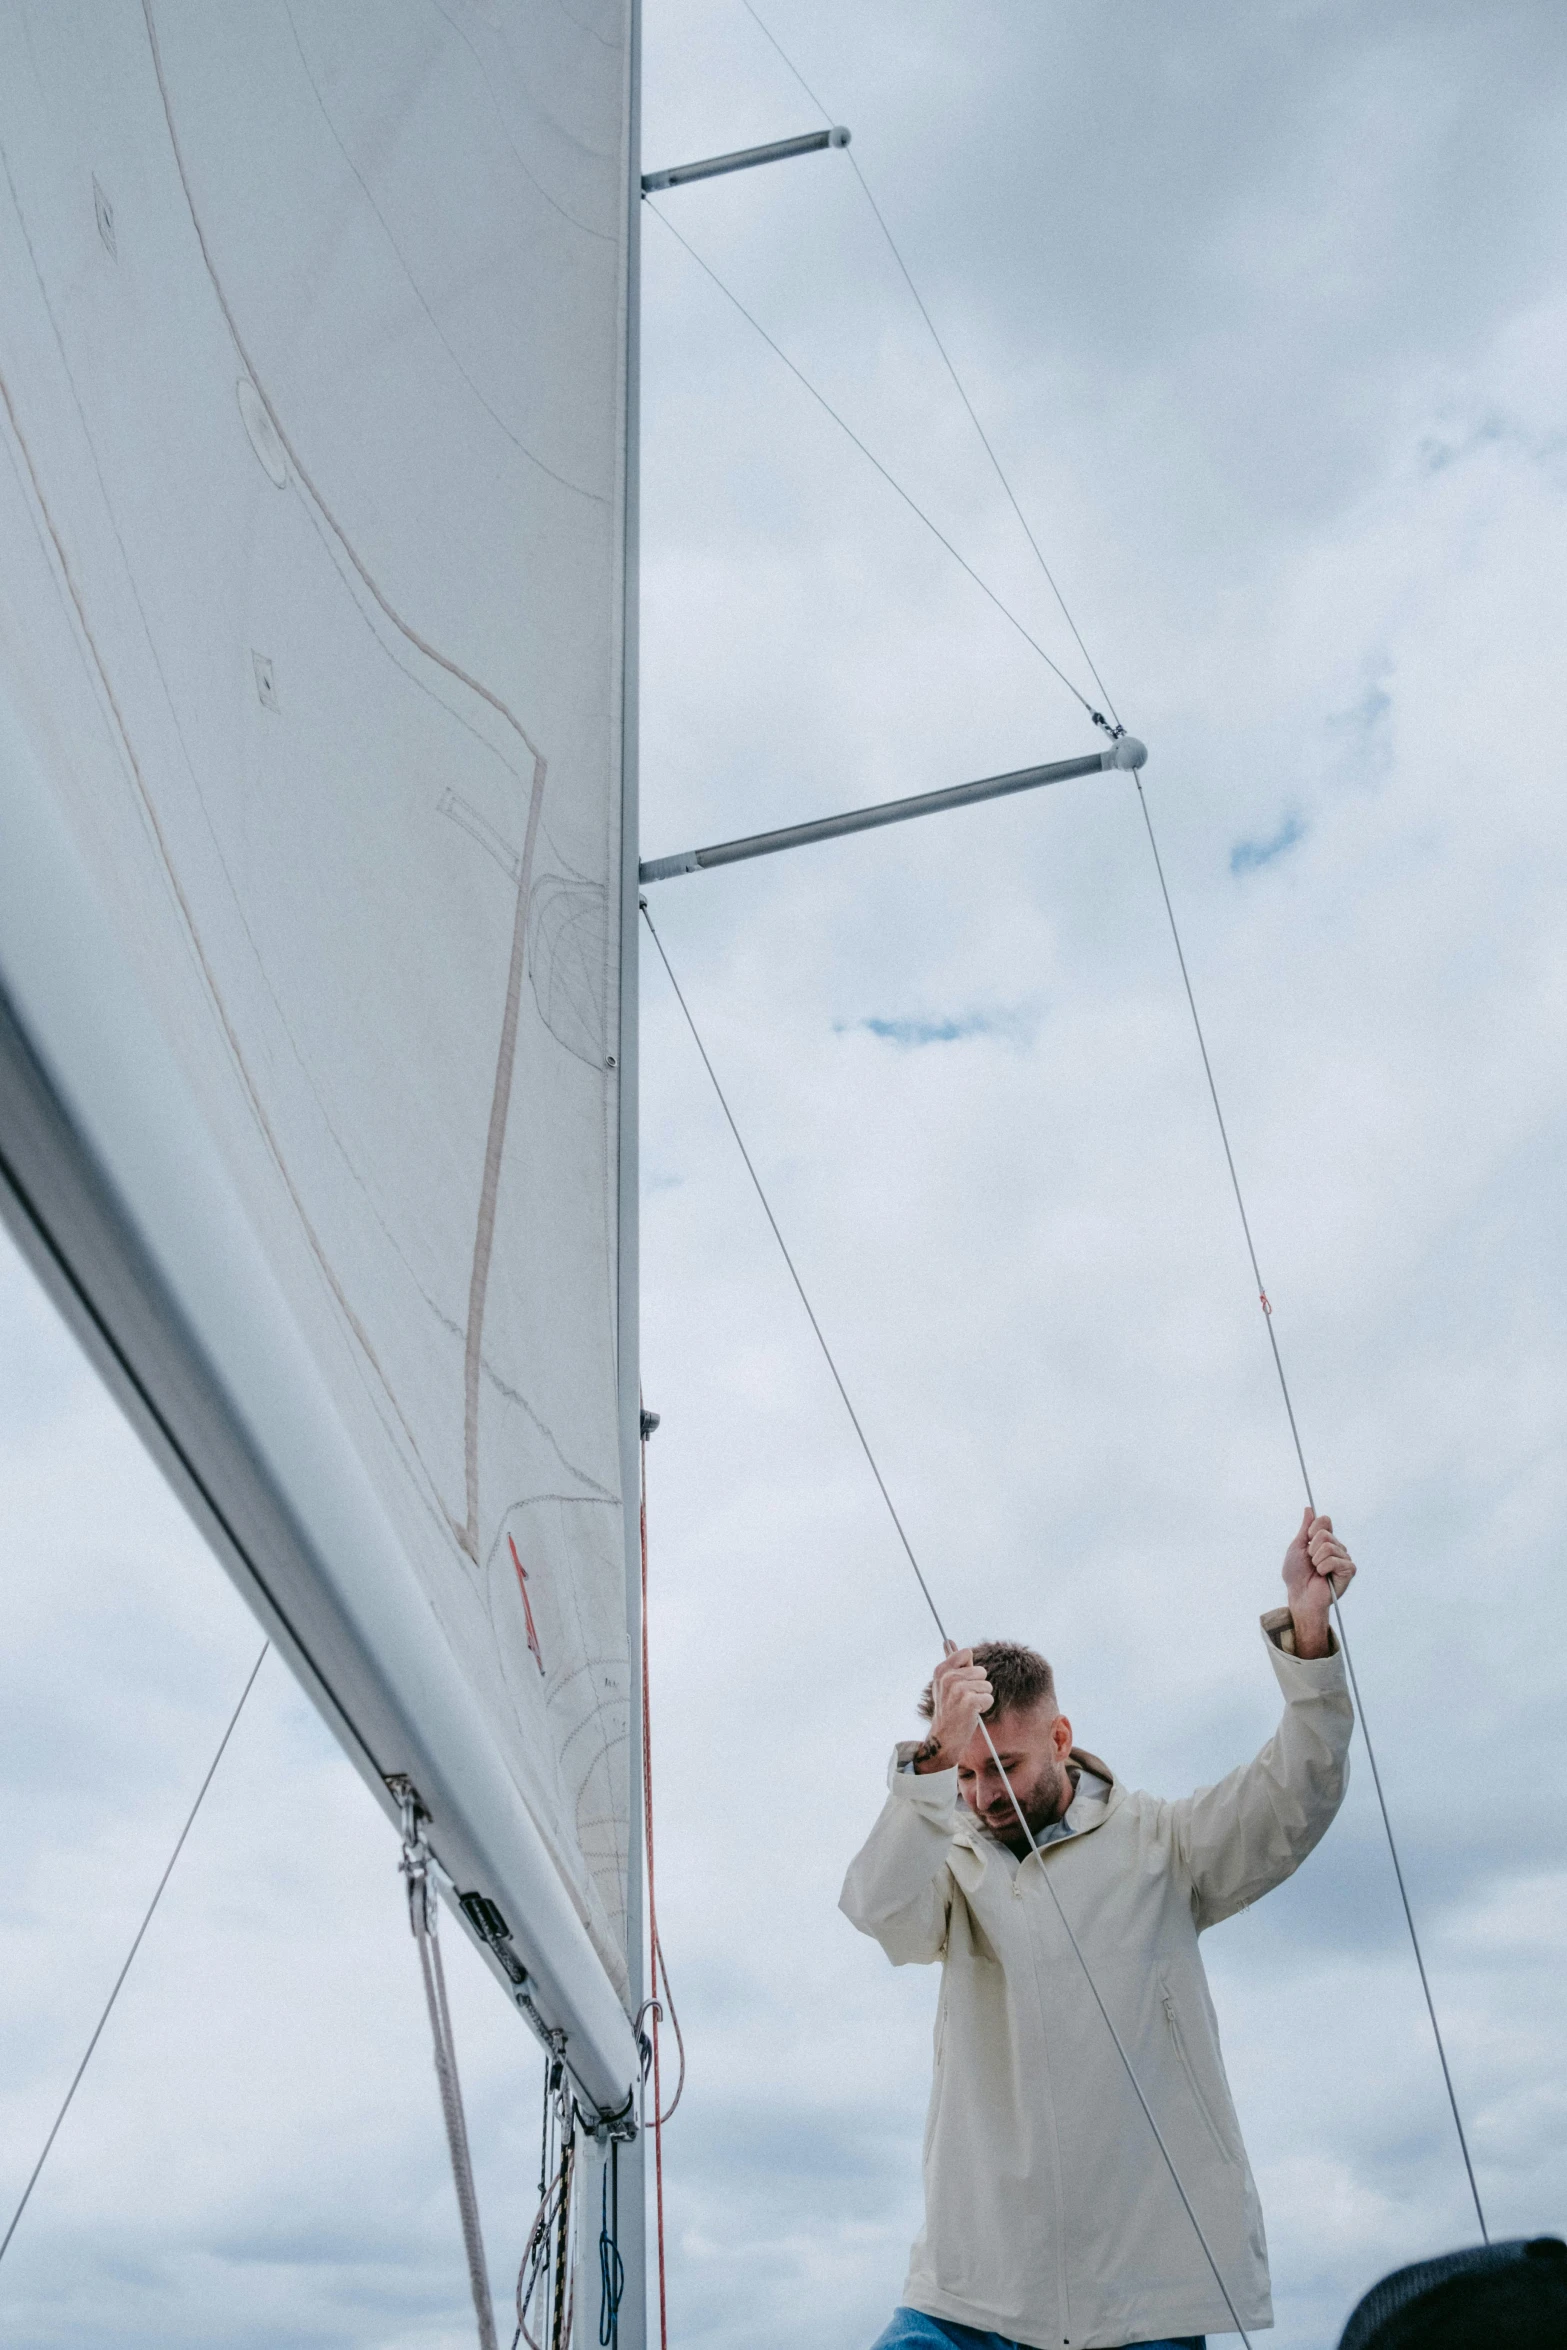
point(1126, 753)
point(809, 143)
point(490, 1925)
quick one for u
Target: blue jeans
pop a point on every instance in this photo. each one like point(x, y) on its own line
point(911, 2329)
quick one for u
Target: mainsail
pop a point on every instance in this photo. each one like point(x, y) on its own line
point(312, 646)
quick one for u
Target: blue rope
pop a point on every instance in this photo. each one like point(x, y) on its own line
point(612, 2269)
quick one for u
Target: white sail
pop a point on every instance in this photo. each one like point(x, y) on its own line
point(312, 569)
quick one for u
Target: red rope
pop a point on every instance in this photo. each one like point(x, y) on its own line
point(655, 1954)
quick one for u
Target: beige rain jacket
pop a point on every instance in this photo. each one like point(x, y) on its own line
point(1050, 2217)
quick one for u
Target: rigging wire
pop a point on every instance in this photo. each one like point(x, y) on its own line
point(541, 2264)
point(119, 1980)
point(946, 360)
point(783, 1245)
point(1305, 1473)
point(870, 455)
point(538, 2232)
point(1229, 1158)
point(1213, 1091)
point(854, 1418)
point(1289, 1406)
point(656, 1968)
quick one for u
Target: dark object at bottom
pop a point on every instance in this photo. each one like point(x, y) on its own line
point(1512, 2294)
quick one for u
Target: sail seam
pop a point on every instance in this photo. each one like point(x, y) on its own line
point(489, 1190)
point(501, 1100)
point(598, 497)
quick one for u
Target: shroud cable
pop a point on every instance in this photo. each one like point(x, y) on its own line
point(869, 454)
point(108, 2008)
point(1305, 1474)
point(854, 1418)
point(946, 360)
point(1202, 1046)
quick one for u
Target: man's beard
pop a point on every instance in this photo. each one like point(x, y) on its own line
point(1042, 1804)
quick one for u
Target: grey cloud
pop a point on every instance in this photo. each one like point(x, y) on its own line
point(1219, 285)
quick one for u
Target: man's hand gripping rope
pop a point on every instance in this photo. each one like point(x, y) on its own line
point(961, 1696)
point(1317, 1571)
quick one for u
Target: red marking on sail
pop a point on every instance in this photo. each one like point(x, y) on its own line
point(527, 1604)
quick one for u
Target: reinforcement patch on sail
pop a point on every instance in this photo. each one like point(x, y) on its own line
point(311, 574)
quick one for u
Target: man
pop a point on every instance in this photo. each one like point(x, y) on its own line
point(1051, 2218)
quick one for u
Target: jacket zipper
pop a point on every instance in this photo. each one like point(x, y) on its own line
point(1198, 2098)
point(1063, 2289)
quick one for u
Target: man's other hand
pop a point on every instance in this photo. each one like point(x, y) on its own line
point(961, 1692)
point(1317, 1569)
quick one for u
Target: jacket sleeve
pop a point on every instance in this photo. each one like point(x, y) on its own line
point(897, 1889)
point(1240, 1839)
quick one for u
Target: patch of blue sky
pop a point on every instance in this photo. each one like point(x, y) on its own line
point(1369, 712)
point(1248, 856)
point(954, 1028)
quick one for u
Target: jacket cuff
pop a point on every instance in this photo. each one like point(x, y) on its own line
point(1278, 1630)
point(932, 1792)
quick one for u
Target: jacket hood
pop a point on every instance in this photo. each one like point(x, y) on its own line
point(969, 1831)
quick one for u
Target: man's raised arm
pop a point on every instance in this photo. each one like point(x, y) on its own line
point(1254, 1829)
point(895, 1890)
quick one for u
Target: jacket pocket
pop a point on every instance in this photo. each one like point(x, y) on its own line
point(1183, 2058)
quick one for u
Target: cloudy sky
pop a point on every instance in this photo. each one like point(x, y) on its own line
point(1265, 309)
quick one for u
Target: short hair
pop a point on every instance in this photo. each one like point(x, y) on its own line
point(1019, 1678)
point(1513, 2293)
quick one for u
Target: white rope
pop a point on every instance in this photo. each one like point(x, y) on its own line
point(422, 1919)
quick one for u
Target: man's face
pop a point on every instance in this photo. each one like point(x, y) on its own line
point(1031, 1747)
